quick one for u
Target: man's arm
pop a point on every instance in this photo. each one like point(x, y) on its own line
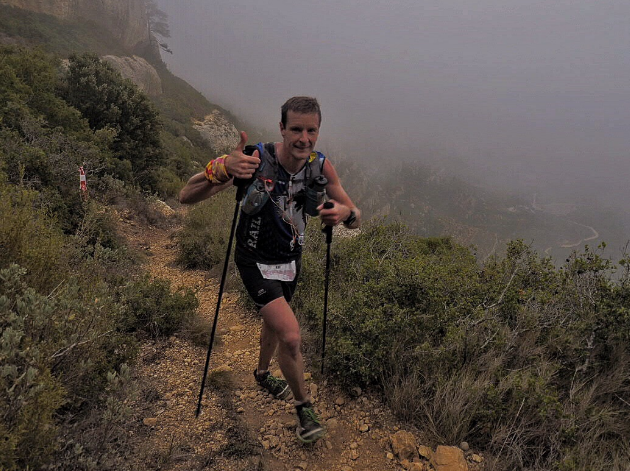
point(342, 204)
point(198, 188)
point(237, 164)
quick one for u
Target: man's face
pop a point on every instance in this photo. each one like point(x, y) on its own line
point(300, 134)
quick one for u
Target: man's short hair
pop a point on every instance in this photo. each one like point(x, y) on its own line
point(302, 105)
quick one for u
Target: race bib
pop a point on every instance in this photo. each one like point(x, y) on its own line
point(280, 272)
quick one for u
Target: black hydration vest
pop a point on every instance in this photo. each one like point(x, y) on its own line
point(276, 207)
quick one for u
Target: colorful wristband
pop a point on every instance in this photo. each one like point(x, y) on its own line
point(216, 171)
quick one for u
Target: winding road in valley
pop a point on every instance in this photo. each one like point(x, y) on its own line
point(567, 245)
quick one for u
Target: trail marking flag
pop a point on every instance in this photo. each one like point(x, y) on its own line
point(82, 180)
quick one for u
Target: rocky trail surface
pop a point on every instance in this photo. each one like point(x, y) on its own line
point(242, 428)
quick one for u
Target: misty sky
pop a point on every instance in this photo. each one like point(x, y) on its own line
point(512, 88)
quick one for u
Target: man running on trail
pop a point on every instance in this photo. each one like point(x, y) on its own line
point(270, 235)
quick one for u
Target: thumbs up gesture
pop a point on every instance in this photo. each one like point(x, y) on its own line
point(240, 165)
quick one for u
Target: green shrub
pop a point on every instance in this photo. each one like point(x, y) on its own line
point(29, 394)
point(392, 291)
point(203, 241)
point(150, 307)
point(57, 352)
point(521, 359)
point(107, 101)
point(29, 237)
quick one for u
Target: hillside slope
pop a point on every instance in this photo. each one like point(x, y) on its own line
point(126, 20)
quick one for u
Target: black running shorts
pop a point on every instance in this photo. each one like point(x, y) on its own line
point(261, 290)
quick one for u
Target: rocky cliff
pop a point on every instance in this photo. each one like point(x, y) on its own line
point(139, 71)
point(125, 19)
point(218, 132)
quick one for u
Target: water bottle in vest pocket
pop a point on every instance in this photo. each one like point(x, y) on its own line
point(255, 198)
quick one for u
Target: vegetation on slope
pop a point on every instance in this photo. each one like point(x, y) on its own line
point(72, 298)
point(526, 361)
point(515, 356)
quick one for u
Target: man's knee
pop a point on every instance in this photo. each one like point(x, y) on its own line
point(291, 342)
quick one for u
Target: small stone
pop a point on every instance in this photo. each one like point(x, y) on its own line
point(340, 401)
point(240, 410)
point(364, 428)
point(390, 455)
point(354, 445)
point(265, 444)
point(307, 376)
point(425, 452)
point(354, 455)
point(476, 458)
point(331, 423)
point(302, 465)
point(150, 421)
point(464, 446)
point(328, 445)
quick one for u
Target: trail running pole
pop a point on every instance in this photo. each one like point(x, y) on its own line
point(240, 189)
point(328, 230)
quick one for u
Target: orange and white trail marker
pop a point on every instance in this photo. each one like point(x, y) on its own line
point(82, 182)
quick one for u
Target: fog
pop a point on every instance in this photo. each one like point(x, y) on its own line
point(529, 94)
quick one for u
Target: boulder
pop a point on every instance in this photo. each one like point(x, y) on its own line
point(218, 132)
point(449, 458)
point(139, 71)
point(404, 445)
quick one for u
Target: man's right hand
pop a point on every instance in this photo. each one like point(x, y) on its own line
point(240, 165)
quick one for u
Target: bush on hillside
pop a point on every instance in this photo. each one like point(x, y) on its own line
point(29, 237)
point(68, 311)
point(203, 241)
point(29, 394)
point(57, 351)
point(107, 101)
point(149, 306)
point(517, 357)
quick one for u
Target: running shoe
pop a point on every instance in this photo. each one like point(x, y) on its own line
point(309, 429)
point(278, 387)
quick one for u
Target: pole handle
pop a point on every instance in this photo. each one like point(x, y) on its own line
point(328, 230)
point(241, 186)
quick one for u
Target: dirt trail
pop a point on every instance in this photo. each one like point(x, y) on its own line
point(241, 427)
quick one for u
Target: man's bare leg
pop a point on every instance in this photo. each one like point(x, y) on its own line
point(268, 345)
point(279, 321)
